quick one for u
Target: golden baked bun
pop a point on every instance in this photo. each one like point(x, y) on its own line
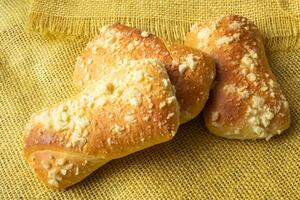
point(190, 71)
point(132, 107)
point(246, 101)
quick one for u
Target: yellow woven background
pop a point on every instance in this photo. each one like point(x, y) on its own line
point(36, 70)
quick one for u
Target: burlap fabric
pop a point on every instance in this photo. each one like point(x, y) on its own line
point(36, 69)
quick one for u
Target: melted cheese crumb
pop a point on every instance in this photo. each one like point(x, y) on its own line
point(118, 129)
point(162, 104)
point(145, 34)
point(227, 39)
point(203, 35)
point(251, 77)
point(189, 62)
point(240, 91)
point(259, 115)
point(170, 115)
point(234, 25)
point(138, 76)
point(171, 99)
point(135, 101)
point(215, 116)
point(129, 118)
point(130, 47)
point(60, 161)
point(165, 83)
point(249, 60)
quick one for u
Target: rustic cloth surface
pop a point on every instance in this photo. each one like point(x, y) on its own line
point(39, 41)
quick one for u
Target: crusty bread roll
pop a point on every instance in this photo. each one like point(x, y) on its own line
point(132, 107)
point(246, 102)
point(190, 71)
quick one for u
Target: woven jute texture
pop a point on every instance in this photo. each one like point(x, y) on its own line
point(36, 71)
point(279, 20)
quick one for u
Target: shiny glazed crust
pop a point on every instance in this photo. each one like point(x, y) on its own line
point(246, 101)
point(132, 107)
point(190, 71)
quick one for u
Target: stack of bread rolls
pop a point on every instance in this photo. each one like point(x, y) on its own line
point(136, 89)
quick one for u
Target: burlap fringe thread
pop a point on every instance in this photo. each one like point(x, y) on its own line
point(276, 37)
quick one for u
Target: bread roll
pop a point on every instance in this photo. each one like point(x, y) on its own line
point(132, 107)
point(246, 102)
point(190, 71)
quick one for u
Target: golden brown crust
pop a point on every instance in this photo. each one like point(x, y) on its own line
point(192, 85)
point(246, 102)
point(60, 169)
point(132, 107)
point(117, 42)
